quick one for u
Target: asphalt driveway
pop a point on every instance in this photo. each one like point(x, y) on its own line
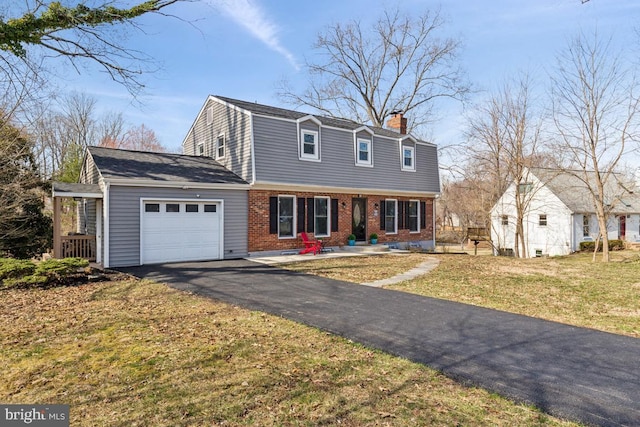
point(575, 373)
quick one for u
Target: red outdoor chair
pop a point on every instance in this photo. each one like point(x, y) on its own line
point(314, 246)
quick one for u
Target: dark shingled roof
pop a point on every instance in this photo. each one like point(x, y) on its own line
point(126, 164)
point(283, 113)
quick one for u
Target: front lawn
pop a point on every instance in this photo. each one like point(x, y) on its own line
point(135, 353)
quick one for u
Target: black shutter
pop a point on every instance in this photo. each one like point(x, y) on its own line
point(400, 215)
point(382, 213)
point(301, 211)
point(334, 214)
point(423, 215)
point(407, 221)
point(273, 215)
point(310, 214)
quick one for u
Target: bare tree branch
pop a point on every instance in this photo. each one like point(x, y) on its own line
point(400, 64)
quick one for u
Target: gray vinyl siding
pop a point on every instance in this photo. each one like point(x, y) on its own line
point(89, 173)
point(124, 224)
point(276, 151)
point(236, 127)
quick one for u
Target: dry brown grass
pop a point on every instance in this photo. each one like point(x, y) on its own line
point(571, 289)
point(131, 353)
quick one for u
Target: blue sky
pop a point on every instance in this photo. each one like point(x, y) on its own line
point(243, 48)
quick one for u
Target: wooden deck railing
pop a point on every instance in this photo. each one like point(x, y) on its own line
point(79, 246)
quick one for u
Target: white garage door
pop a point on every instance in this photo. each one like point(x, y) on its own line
point(180, 231)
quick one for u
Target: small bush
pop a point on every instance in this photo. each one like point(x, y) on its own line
point(13, 268)
point(25, 273)
point(614, 245)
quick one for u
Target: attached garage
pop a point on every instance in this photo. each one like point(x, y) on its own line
point(180, 230)
point(160, 207)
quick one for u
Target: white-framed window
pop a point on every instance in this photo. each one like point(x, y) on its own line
point(408, 158)
point(585, 225)
point(200, 148)
point(286, 216)
point(391, 216)
point(321, 216)
point(220, 146)
point(542, 220)
point(505, 219)
point(309, 145)
point(413, 216)
point(363, 152)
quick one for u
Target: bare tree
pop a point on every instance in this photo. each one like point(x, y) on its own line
point(595, 110)
point(400, 64)
point(504, 138)
point(80, 33)
point(139, 138)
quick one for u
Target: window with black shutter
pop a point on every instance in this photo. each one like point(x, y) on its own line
point(301, 215)
point(273, 215)
point(401, 215)
point(334, 214)
point(423, 215)
point(310, 211)
point(382, 215)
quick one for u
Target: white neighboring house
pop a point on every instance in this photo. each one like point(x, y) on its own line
point(560, 213)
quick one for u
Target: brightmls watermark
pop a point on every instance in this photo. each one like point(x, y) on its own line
point(34, 415)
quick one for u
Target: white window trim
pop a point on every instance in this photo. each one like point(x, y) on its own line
point(294, 225)
point(201, 149)
point(328, 201)
point(224, 146)
point(417, 202)
point(308, 157)
point(413, 158)
point(368, 164)
point(395, 222)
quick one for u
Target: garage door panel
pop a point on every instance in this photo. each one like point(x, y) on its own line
point(185, 231)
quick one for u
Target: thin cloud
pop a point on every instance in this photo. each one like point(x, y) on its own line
point(248, 14)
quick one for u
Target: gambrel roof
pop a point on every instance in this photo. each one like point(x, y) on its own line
point(266, 110)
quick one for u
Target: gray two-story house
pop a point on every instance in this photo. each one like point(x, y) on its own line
point(251, 179)
point(324, 176)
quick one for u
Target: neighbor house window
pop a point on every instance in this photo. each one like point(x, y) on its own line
point(363, 156)
point(413, 216)
point(321, 216)
point(538, 253)
point(585, 225)
point(201, 149)
point(525, 187)
point(390, 216)
point(285, 216)
point(542, 220)
point(220, 147)
point(309, 146)
point(505, 219)
point(408, 158)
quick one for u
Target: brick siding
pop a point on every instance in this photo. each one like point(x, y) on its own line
point(261, 240)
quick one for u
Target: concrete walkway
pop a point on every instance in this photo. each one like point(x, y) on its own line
point(575, 373)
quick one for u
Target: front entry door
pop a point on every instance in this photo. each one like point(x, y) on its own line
point(359, 219)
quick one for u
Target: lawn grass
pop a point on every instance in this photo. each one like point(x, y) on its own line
point(135, 353)
point(570, 289)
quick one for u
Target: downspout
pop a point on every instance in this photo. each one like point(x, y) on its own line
point(105, 207)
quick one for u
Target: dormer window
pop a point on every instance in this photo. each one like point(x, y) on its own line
point(309, 145)
point(408, 158)
point(364, 152)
